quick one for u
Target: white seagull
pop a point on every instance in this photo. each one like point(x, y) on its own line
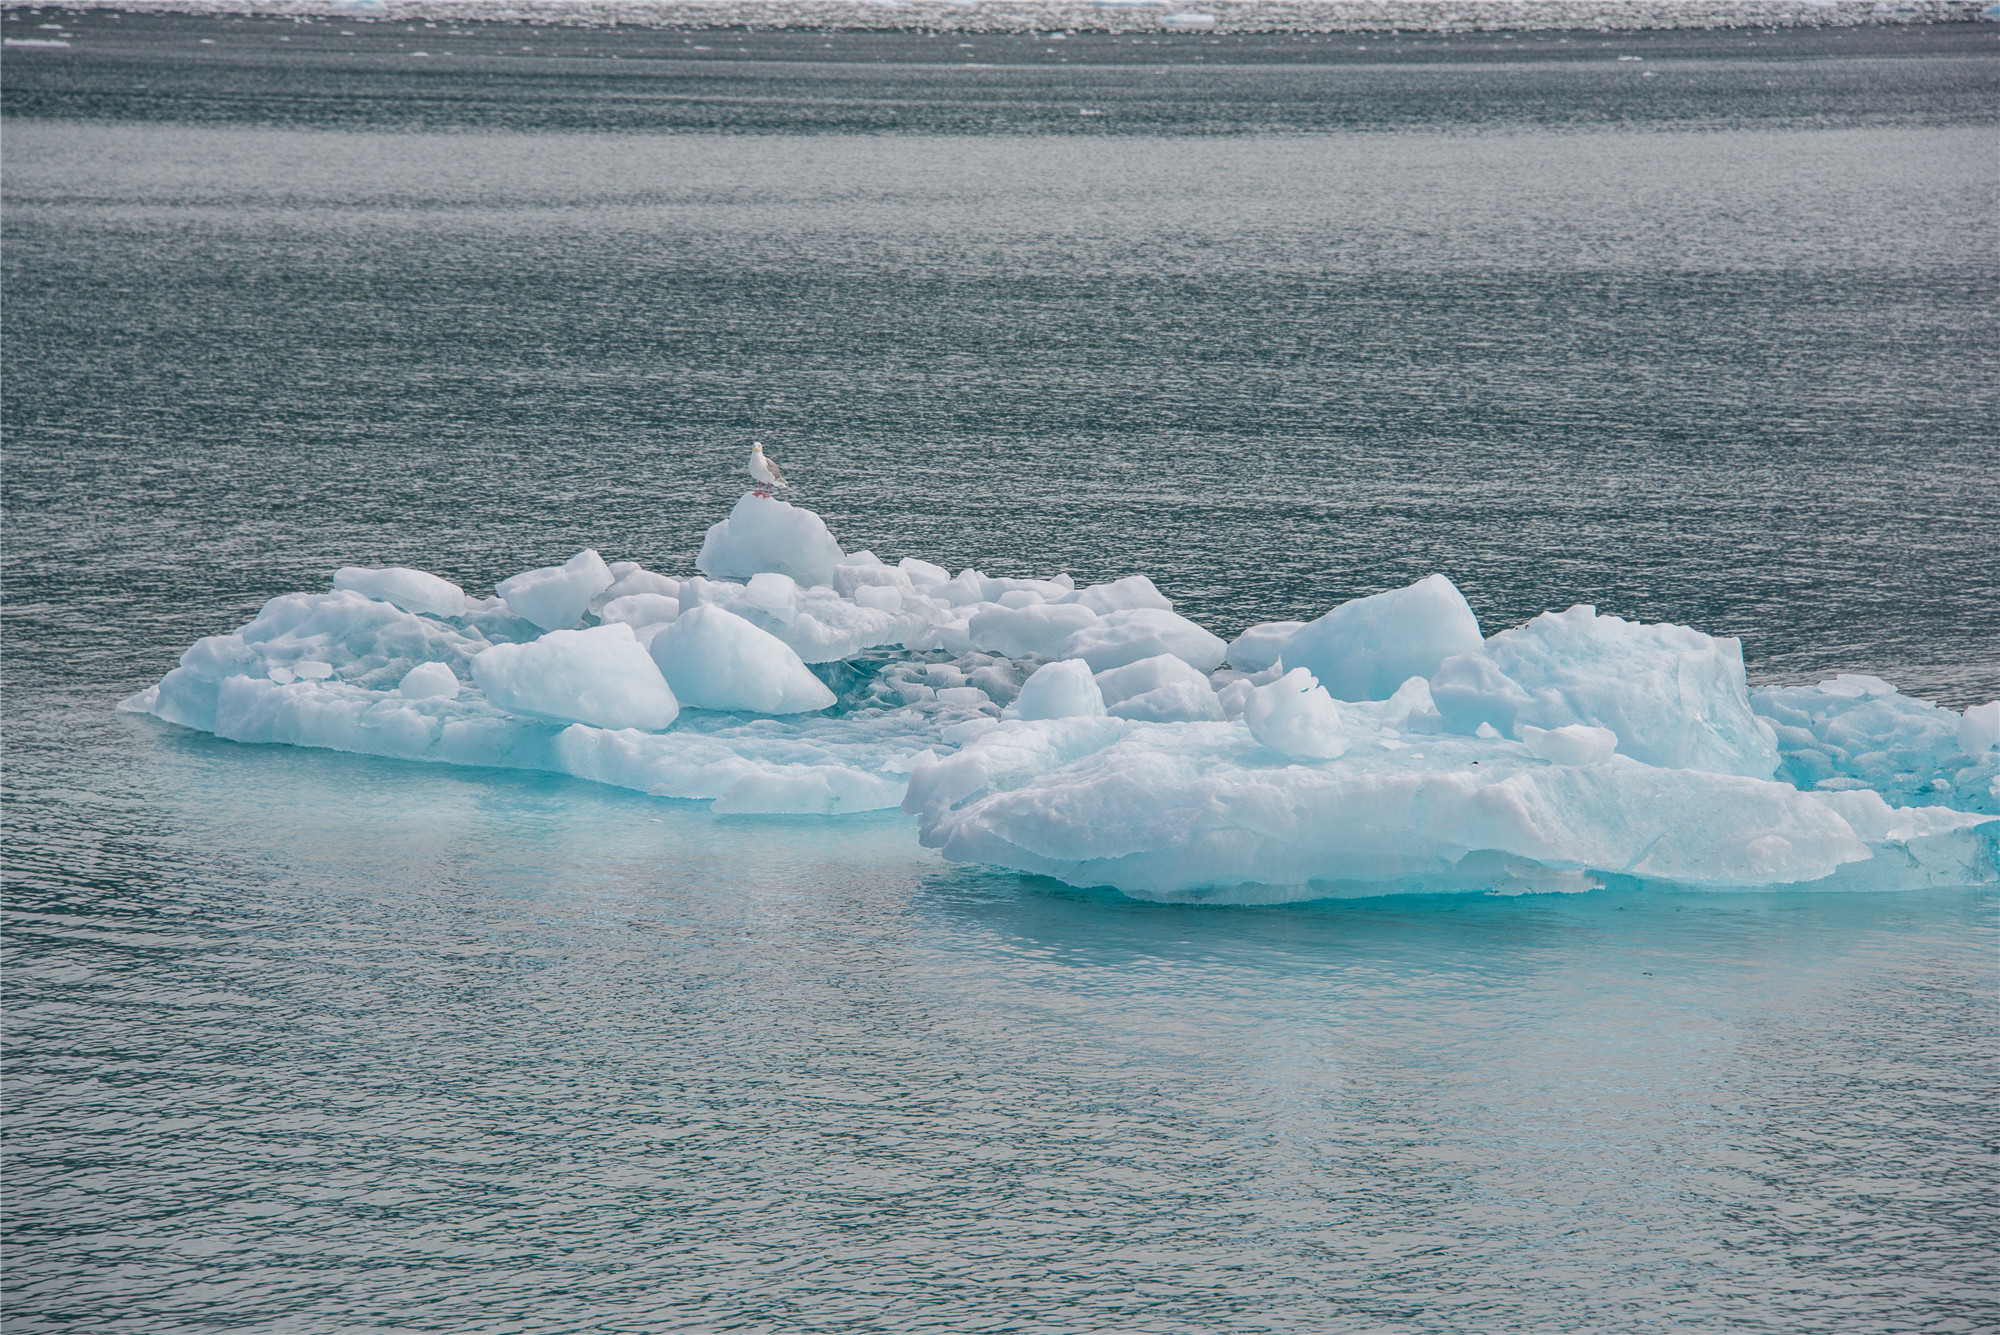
point(763, 470)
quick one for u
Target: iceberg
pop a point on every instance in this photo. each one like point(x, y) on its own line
point(1093, 736)
point(1170, 812)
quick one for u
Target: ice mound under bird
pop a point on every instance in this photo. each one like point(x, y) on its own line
point(1097, 736)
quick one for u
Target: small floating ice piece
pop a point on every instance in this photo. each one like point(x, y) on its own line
point(634, 579)
point(641, 609)
point(556, 597)
point(1367, 647)
point(1160, 689)
point(1295, 716)
point(429, 681)
point(1121, 595)
point(715, 659)
point(412, 590)
point(1122, 637)
point(1019, 631)
point(598, 676)
point(1979, 728)
point(1064, 689)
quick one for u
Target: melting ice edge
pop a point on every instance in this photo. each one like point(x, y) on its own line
point(1095, 736)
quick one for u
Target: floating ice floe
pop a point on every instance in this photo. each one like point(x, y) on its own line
point(1094, 734)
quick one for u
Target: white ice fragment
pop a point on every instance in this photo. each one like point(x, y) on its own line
point(850, 579)
point(1258, 647)
point(629, 578)
point(284, 676)
point(765, 534)
point(641, 609)
point(1121, 595)
point(556, 597)
point(598, 676)
point(968, 586)
point(1295, 715)
point(1064, 689)
point(1120, 637)
point(311, 669)
point(775, 594)
point(1365, 648)
point(1573, 744)
point(1487, 732)
point(429, 681)
point(1979, 728)
point(881, 597)
point(1019, 631)
point(1160, 689)
point(1018, 598)
point(965, 696)
point(923, 574)
point(412, 590)
point(715, 659)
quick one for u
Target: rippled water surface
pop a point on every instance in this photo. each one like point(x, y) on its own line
point(309, 1042)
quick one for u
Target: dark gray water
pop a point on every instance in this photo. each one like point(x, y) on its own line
point(305, 1041)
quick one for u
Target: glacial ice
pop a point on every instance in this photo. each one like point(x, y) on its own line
point(1675, 698)
point(763, 534)
point(556, 597)
point(1088, 734)
point(715, 659)
point(399, 586)
point(1064, 689)
point(1260, 646)
point(425, 681)
point(1160, 689)
point(600, 676)
point(1366, 648)
point(1294, 716)
point(1127, 635)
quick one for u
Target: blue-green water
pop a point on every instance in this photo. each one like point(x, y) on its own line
point(302, 1041)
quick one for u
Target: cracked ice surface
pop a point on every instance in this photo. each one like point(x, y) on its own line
point(788, 676)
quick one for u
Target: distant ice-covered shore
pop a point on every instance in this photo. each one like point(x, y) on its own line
point(1302, 16)
point(1095, 735)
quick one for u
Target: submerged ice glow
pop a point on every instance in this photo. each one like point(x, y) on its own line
point(1095, 735)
